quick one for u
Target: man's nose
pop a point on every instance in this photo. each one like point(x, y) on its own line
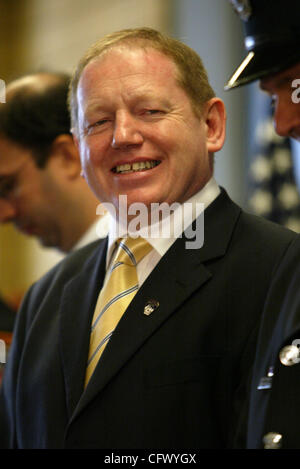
point(7, 211)
point(127, 131)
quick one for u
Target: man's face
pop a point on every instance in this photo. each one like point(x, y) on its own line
point(138, 134)
point(28, 195)
point(286, 109)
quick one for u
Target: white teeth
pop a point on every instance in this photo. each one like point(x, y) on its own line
point(137, 166)
point(123, 167)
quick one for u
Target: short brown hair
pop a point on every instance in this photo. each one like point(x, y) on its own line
point(192, 76)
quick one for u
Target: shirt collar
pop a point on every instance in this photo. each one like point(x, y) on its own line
point(198, 202)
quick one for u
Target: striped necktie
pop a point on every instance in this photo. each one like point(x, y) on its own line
point(115, 296)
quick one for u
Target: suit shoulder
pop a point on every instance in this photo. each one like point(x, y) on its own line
point(250, 228)
point(266, 230)
point(266, 242)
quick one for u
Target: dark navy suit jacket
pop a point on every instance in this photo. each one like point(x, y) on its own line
point(173, 379)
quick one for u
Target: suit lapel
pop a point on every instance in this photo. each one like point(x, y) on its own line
point(168, 285)
point(76, 311)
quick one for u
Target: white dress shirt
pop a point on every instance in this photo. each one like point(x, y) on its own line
point(200, 201)
point(99, 229)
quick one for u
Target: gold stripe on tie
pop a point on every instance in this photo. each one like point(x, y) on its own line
point(115, 297)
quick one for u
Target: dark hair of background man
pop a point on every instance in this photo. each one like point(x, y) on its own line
point(34, 118)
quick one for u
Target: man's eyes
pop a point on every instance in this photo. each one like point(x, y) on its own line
point(152, 111)
point(95, 126)
point(100, 122)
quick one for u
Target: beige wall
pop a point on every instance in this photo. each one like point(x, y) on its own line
point(63, 29)
point(53, 35)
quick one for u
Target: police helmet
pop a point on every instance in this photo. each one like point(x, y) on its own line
point(272, 38)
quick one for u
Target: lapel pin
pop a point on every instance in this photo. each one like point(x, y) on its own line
point(266, 381)
point(150, 306)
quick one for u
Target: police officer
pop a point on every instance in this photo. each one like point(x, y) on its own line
point(272, 40)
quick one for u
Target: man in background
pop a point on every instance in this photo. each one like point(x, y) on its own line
point(42, 191)
point(272, 38)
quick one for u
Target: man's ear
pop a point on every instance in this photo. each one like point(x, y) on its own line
point(215, 119)
point(64, 152)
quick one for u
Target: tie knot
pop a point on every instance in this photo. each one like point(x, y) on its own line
point(132, 250)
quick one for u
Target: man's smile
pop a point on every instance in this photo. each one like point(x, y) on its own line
point(135, 166)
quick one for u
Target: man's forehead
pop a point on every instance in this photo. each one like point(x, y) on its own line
point(134, 95)
point(127, 62)
point(138, 70)
point(280, 79)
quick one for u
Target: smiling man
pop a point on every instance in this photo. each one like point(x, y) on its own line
point(139, 343)
point(142, 117)
point(272, 38)
point(136, 125)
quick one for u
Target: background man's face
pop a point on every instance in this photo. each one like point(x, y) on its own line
point(286, 109)
point(28, 195)
point(138, 134)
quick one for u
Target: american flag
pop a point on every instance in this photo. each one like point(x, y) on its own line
point(273, 192)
